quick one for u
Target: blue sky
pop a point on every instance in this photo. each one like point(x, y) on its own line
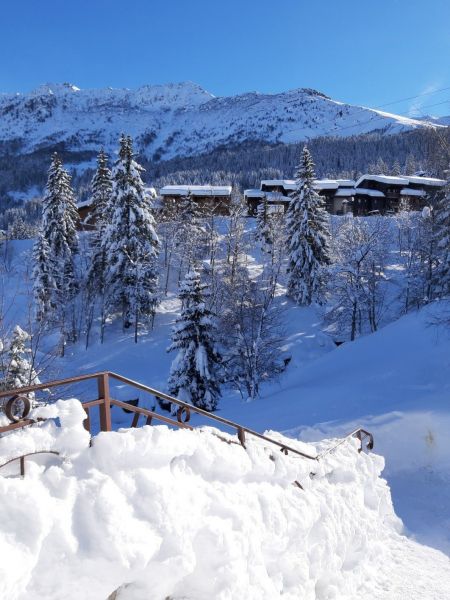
point(360, 51)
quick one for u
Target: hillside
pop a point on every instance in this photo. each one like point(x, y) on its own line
point(177, 119)
point(155, 513)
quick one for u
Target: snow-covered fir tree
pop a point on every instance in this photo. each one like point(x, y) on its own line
point(307, 233)
point(17, 368)
point(101, 188)
point(131, 244)
point(396, 168)
point(442, 235)
point(43, 282)
point(195, 372)
point(59, 230)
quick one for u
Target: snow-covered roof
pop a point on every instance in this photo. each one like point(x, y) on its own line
point(388, 179)
point(402, 180)
point(196, 190)
point(346, 182)
point(367, 192)
point(326, 184)
point(412, 192)
point(254, 193)
point(287, 184)
point(416, 179)
point(333, 184)
point(345, 191)
point(276, 197)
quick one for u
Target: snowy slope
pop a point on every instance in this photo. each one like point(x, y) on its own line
point(155, 514)
point(395, 382)
point(178, 119)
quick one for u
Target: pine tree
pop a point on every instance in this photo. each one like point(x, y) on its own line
point(130, 243)
point(101, 187)
point(396, 168)
point(307, 231)
point(16, 368)
point(195, 372)
point(411, 165)
point(43, 282)
point(59, 230)
point(442, 241)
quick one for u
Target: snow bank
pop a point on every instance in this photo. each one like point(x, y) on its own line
point(157, 513)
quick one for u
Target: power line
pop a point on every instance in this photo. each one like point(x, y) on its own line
point(413, 97)
point(371, 120)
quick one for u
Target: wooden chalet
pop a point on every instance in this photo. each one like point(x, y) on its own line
point(87, 219)
point(337, 193)
point(210, 198)
point(385, 193)
point(370, 194)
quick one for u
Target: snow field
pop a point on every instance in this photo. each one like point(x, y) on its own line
point(157, 513)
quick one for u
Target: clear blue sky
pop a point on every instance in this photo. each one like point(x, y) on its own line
point(360, 51)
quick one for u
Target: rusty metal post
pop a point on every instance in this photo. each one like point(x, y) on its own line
point(105, 406)
point(87, 421)
point(241, 435)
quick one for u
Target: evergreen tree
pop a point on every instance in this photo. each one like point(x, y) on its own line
point(194, 375)
point(308, 235)
point(43, 282)
point(16, 367)
point(396, 168)
point(442, 240)
point(411, 165)
point(101, 188)
point(130, 243)
point(59, 230)
point(381, 167)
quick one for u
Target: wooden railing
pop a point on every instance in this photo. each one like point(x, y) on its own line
point(104, 401)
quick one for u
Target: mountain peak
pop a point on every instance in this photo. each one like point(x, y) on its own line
point(54, 88)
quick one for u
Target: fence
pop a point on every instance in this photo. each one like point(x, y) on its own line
point(17, 409)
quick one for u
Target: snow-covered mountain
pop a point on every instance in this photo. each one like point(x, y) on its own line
point(177, 119)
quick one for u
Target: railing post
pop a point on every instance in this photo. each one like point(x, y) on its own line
point(87, 421)
point(105, 407)
point(241, 435)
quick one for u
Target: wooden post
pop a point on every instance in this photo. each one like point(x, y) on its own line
point(105, 407)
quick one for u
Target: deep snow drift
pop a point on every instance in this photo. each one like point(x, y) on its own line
point(156, 513)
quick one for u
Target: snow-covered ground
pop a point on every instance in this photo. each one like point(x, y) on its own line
point(154, 513)
point(180, 119)
point(395, 383)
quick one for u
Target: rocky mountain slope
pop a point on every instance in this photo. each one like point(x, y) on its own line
point(176, 119)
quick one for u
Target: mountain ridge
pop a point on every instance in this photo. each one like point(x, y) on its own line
point(180, 119)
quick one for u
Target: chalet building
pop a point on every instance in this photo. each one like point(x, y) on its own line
point(87, 220)
point(338, 194)
point(370, 194)
point(385, 193)
point(214, 198)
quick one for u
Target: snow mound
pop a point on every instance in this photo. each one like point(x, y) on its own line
point(155, 513)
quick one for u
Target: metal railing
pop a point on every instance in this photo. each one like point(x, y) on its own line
point(183, 411)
